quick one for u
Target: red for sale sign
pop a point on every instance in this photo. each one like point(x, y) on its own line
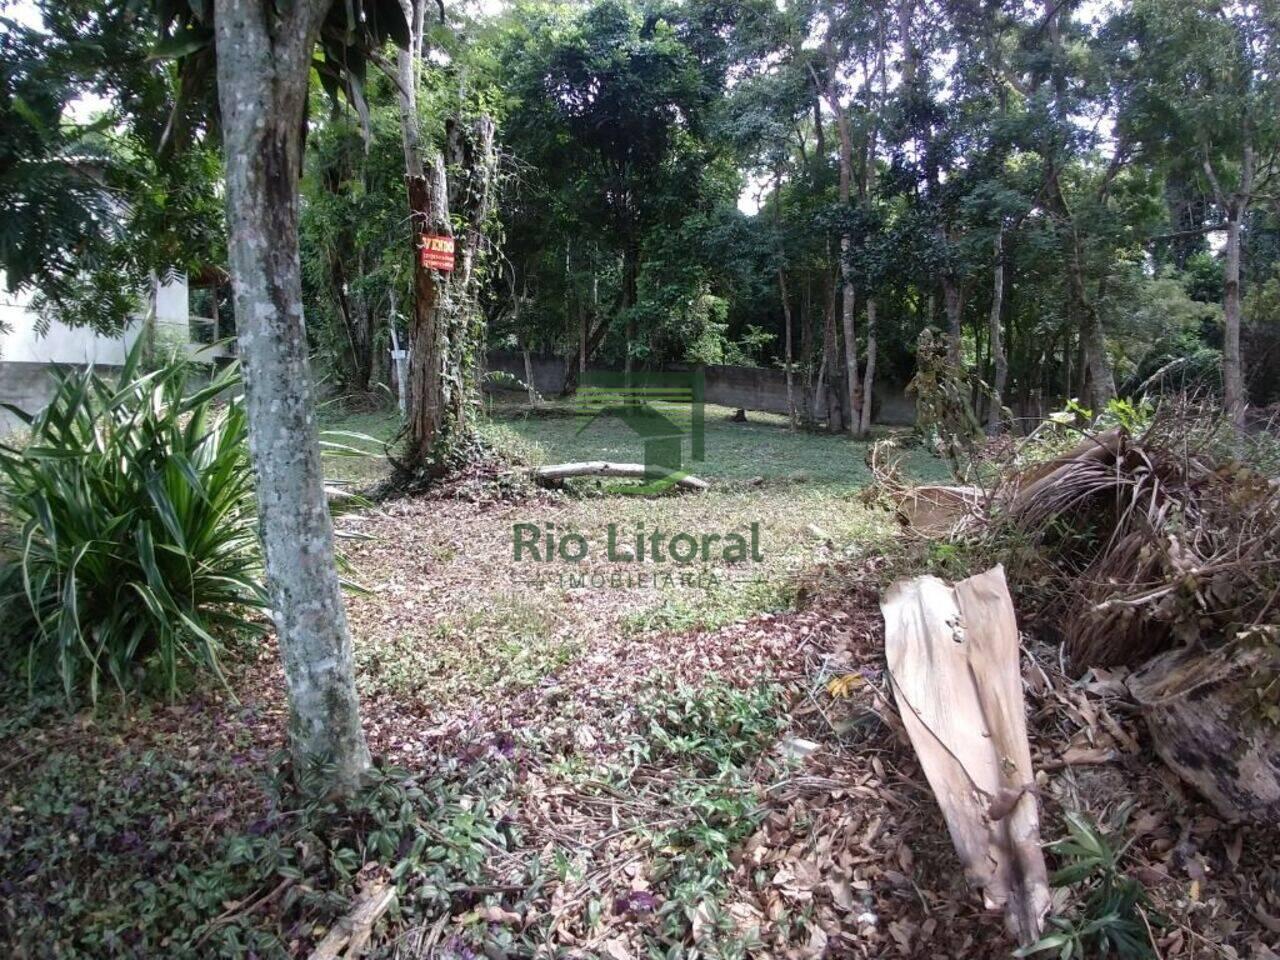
point(437, 252)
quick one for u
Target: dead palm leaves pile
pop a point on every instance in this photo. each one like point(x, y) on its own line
point(1139, 539)
point(1147, 539)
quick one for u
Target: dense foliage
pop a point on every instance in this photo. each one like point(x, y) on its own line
point(131, 546)
point(1080, 202)
point(94, 205)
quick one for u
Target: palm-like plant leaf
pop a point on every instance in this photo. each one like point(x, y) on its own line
point(134, 533)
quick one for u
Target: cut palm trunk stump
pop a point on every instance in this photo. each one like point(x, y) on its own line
point(953, 662)
point(938, 511)
point(1214, 723)
point(603, 468)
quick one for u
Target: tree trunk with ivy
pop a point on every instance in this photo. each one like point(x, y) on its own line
point(425, 189)
point(473, 166)
point(446, 328)
point(427, 420)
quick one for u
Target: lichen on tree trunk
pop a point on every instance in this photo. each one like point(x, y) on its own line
point(262, 86)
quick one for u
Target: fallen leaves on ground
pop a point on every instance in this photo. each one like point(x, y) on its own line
point(846, 853)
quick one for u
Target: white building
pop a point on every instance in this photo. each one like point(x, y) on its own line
point(26, 357)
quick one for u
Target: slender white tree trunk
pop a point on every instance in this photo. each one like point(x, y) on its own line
point(869, 376)
point(262, 87)
point(528, 377)
point(786, 314)
point(1232, 373)
point(997, 337)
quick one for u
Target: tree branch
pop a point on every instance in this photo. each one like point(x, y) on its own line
point(1218, 195)
point(387, 70)
point(1194, 232)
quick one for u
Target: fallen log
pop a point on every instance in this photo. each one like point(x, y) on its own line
point(1213, 724)
point(353, 931)
point(603, 468)
point(953, 665)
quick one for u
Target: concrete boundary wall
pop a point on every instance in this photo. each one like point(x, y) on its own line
point(29, 386)
point(751, 388)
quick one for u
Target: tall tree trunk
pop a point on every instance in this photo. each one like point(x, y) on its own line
point(1102, 385)
point(1093, 344)
point(528, 377)
point(1235, 207)
point(585, 354)
point(847, 332)
point(848, 293)
point(830, 349)
point(630, 294)
point(357, 323)
point(473, 158)
point(262, 87)
point(428, 324)
point(428, 213)
point(869, 377)
point(782, 293)
point(910, 53)
point(953, 301)
point(1232, 372)
point(531, 391)
point(997, 337)
point(400, 363)
point(806, 349)
point(874, 110)
point(786, 322)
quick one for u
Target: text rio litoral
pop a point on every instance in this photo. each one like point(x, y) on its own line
point(543, 542)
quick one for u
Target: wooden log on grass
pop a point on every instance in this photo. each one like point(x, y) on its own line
point(604, 468)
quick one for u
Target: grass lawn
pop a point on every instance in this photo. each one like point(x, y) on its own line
point(795, 492)
point(798, 492)
point(763, 448)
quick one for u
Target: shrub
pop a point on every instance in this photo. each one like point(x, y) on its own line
point(132, 539)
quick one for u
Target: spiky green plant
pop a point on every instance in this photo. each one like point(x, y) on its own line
point(1114, 916)
point(131, 541)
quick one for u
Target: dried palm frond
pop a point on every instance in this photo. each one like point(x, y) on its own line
point(1152, 541)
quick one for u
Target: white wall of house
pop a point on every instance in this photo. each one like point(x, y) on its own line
point(26, 357)
point(21, 343)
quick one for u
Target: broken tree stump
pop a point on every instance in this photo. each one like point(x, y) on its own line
point(953, 665)
point(1208, 716)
